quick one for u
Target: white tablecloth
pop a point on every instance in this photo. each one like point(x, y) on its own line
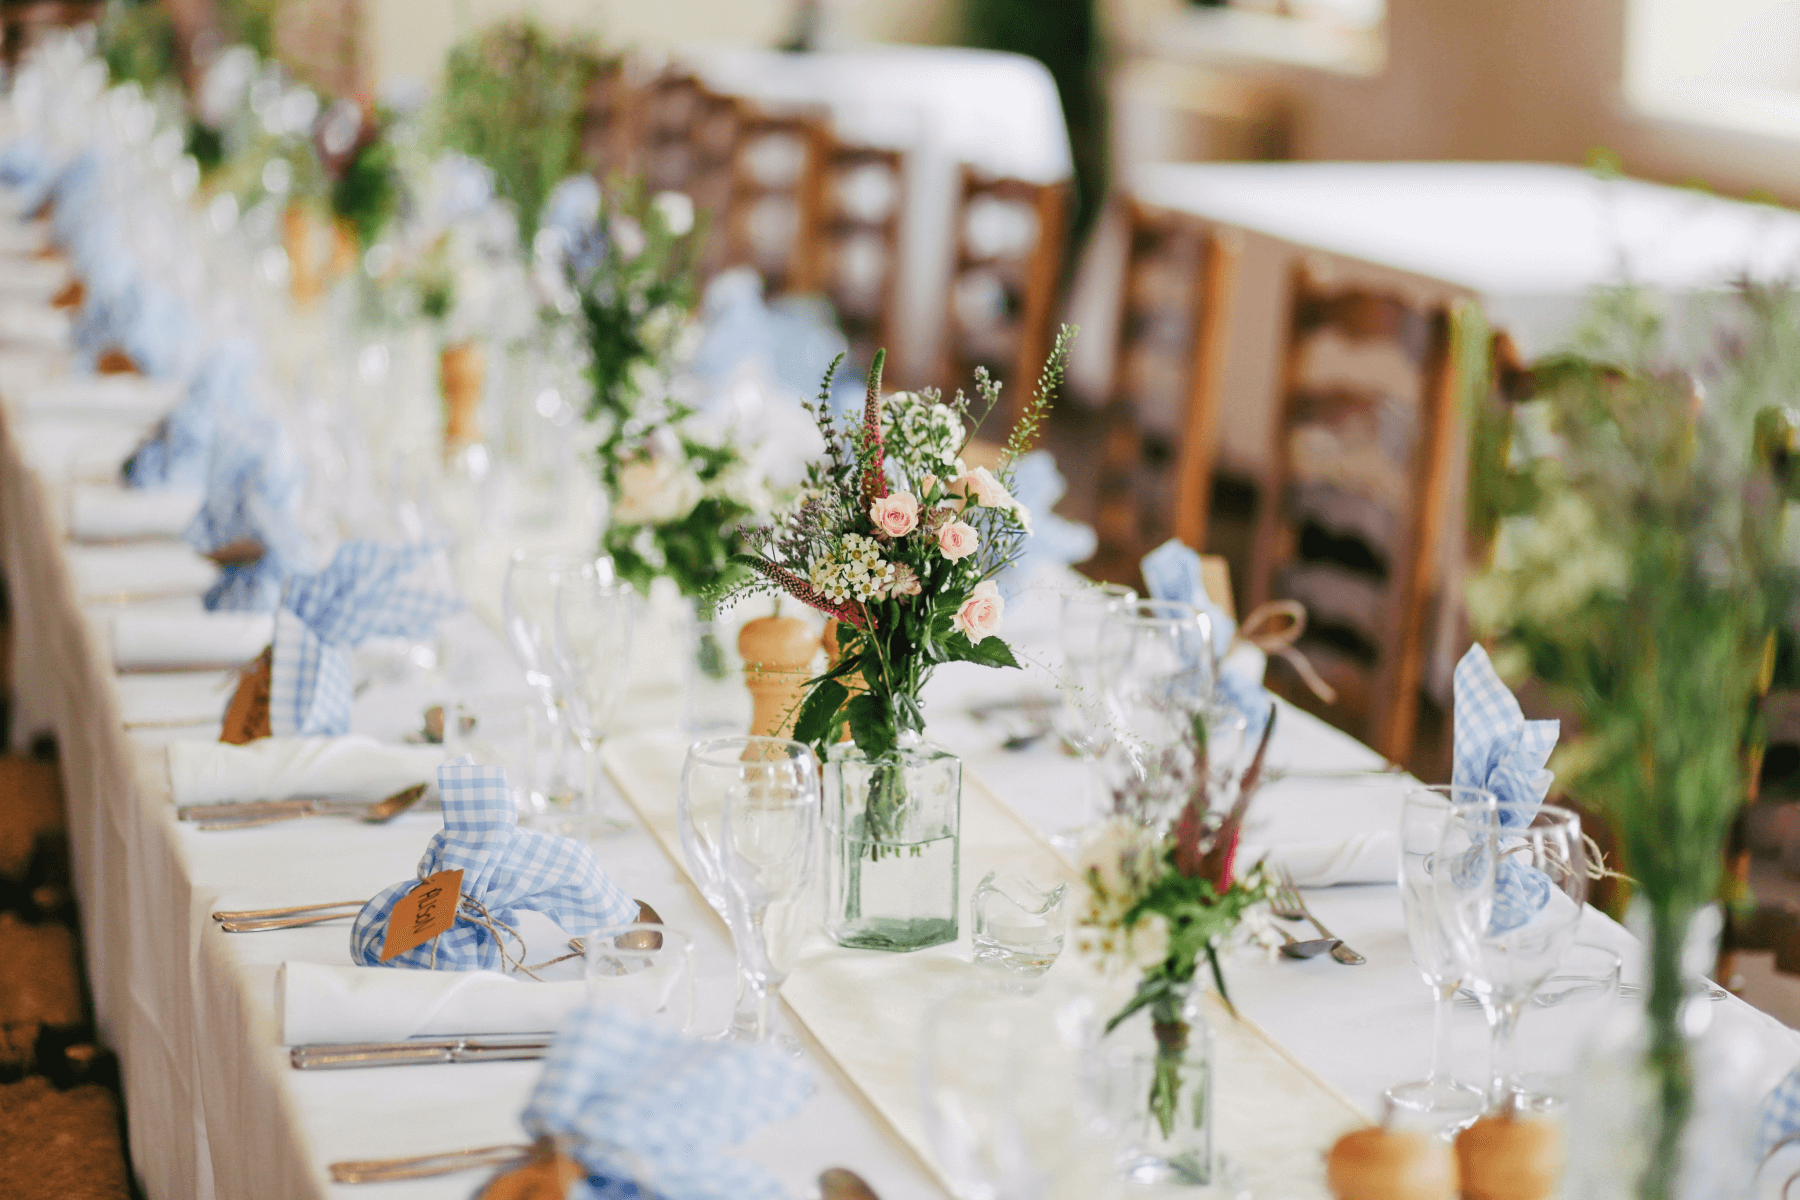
point(215, 1109)
point(944, 106)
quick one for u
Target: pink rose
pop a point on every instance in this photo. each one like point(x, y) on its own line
point(896, 514)
point(989, 492)
point(980, 614)
point(958, 540)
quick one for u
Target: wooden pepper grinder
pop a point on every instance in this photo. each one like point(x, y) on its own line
point(777, 653)
point(303, 259)
point(462, 370)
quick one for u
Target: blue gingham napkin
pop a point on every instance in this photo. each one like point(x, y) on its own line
point(1780, 1114)
point(1496, 748)
point(27, 167)
point(364, 592)
point(177, 454)
point(636, 1101)
point(253, 485)
point(505, 870)
point(1172, 572)
point(146, 321)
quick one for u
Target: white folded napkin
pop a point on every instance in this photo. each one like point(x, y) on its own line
point(319, 1003)
point(150, 570)
point(164, 700)
point(354, 767)
point(33, 321)
point(19, 236)
point(128, 397)
point(1372, 857)
point(27, 277)
point(102, 512)
point(167, 641)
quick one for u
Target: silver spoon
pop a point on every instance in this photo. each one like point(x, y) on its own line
point(841, 1183)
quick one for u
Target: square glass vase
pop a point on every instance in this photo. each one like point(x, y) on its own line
point(893, 828)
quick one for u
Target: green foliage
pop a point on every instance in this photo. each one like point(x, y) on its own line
point(137, 40)
point(366, 191)
point(513, 98)
point(1642, 568)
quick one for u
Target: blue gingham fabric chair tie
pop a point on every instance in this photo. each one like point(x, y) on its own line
point(1172, 572)
point(639, 1103)
point(1780, 1114)
point(369, 589)
point(1496, 748)
point(506, 870)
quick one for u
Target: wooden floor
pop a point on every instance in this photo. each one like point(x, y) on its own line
point(61, 1132)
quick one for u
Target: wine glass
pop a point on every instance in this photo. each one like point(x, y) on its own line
point(1083, 722)
point(646, 969)
point(593, 656)
point(1424, 812)
point(768, 854)
point(721, 774)
point(1511, 883)
point(528, 612)
point(1156, 666)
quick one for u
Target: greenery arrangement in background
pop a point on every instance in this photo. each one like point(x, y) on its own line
point(679, 491)
point(138, 42)
point(513, 98)
point(1640, 567)
point(365, 188)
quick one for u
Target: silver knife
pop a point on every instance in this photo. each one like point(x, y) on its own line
point(344, 1056)
point(248, 810)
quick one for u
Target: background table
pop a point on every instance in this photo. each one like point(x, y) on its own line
point(945, 107)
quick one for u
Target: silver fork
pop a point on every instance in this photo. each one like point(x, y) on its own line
point(1287, 904)
point(425, 1166)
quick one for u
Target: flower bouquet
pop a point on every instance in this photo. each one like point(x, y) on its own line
point(898, 541)
point(1161, 905)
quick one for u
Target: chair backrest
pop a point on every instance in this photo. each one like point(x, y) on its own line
point(685, 139)
point(608, 107)
point(852, 244)
point(775, 193)
point(1009, 237)
point(1162, 418)
point(1351, 521)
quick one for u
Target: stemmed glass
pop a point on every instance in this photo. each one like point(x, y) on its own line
point(1084, 722)
point(749, 817)
point(1424, 813)
point(528, 610)
point(593, 657)
point(1511, 882)
point(1156, 665)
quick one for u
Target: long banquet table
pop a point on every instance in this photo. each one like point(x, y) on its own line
point(214, 1108)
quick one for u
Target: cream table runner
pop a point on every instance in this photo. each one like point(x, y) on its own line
point(1275, 1119)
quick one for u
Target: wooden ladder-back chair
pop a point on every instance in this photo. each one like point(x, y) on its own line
point(686, 138)
point(852, 244)
point(1009, 237)
point(775, 193)
point(608, 106)
point(1174, 319)
point(1351, 520)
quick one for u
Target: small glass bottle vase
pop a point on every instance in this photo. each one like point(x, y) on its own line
point(1153, 1077)
point(893, 846)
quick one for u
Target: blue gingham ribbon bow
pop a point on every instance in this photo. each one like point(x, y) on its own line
point(178, 452)
point(505, 869)
point(1172, 572)
point(366, 591)
point(253, 484)
point(1496, 748)
point(637, 1102)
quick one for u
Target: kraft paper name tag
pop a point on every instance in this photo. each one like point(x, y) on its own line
point(423, 913)
point(247, 716)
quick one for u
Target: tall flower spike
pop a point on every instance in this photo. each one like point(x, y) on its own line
point(848, 611)
point(875, 474)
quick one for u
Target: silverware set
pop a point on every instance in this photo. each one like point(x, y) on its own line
point(249, 814)
point(1573, 986)
point(1287, 904)
point(425, 1166)
point(349, 1055)
point(261, 920)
